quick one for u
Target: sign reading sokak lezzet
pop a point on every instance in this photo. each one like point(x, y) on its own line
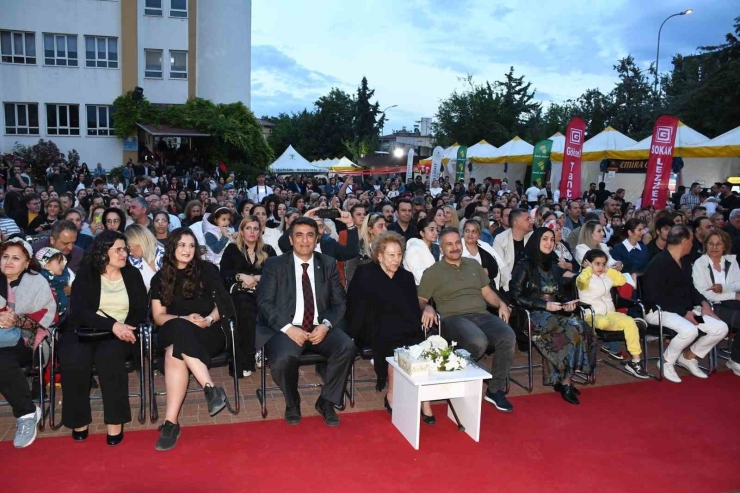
point(655, 192)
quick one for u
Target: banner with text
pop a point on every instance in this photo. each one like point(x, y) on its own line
point(570, 181)
point(410, 164)
point(540, 156)
point(628, 165)
point(462, 156)
point(436, 163)
point(659, 162)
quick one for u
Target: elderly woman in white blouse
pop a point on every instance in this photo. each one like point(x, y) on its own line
point(145, 252)
point(716, 276)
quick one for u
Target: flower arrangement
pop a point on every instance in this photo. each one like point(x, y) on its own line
point(443, 356)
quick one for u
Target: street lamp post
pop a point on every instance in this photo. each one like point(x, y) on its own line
point(657, 55)
point(382, 125)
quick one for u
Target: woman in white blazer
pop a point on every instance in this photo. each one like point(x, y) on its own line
point(592, 236)
point(422, 253)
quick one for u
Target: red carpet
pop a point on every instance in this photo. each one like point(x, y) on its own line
point(628, 438)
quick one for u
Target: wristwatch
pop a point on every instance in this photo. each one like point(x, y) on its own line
point(210, 320)
point(327, 323)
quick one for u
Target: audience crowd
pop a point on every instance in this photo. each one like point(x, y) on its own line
point(331, 265)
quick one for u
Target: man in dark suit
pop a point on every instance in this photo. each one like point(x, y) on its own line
point(301, 307)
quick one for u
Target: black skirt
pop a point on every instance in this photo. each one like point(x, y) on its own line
point(187, 338)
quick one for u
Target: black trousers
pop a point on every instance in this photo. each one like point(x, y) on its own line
point(283, 354)
point(76, 361)
point(729, 312)
point(13, 382)
point(246, 306)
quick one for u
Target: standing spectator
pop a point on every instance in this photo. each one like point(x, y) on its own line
point(99, 171)
point(728, 200)
point(691, 199)
point(258, 192)
point(601, 195)
point(668, 283)
point(533, 195)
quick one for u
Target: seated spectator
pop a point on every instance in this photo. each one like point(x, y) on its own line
point(95, 220)
point(107, 295)
point(301, 306)
point(509, 245)
point(145, 252)
point(592, 236)
point(193, 213)
point(566, 343)
point(190, 329)
point(161, 222)
point(461, 291)
point(658, 244)
point(241, 271)
point(477, 250)
point(451, 220)
point(572, 238)
point(594, 288)
point(717, 276)
point(114, 219)
point(8, 227)
point(270, 236)
point(372, 226)
point(422, 253)
point(217, 233)
point(28, 310)
point(54, 270)
point(63, 237)
point(631, 251)
point(31, 218)
point(403, 224)
point(668, 283)
point(383, 310)
point(77, 217)
point(562, 251)
point(701, 228)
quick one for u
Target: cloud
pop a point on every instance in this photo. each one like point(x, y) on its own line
point(414, 53)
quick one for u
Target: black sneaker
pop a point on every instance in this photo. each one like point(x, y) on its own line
point(499, 400)
point(215, 398)
point(637, 369)
point(293, 415)
point(168, 435)
point(326, 410)
point(617, 356)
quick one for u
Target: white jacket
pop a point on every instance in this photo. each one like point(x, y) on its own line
point(596, 290)
point(211, 256)
point(499, 280)
point(417, 258)
point(271, 237)
point(703, 278)
point(503, 245)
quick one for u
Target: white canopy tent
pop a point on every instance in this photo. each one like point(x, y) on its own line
point(515, 156)
point(291, 161)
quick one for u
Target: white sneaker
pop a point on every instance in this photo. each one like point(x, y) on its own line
point(692, 365)
point(247, 373)
point(735, 367)
point(651, 338)
point(669, 372)
point(27, 425)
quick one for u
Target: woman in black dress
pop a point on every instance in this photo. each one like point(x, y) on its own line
point(184, 307)
point(241, 270)
point(383, 309)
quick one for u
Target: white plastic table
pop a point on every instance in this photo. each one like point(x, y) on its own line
point(464, 388)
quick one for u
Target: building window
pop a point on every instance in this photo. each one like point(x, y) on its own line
point(60, 49)
point(18, 47)
point(178, 8)
point(178, 64)
point(153, 7)
point(21, 118)
point(62, 119)
point(153, 60)
point(101, 52)
point(100, 120)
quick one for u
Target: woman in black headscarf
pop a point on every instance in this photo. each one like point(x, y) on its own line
point(566, 343)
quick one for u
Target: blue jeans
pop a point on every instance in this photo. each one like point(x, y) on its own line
point(476, 332)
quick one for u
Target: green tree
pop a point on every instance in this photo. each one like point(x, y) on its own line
point(366, 123)
point(634, 105)
point(39, 156)
point(334, 123)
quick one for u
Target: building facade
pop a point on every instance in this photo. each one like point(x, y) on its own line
point(64, 62)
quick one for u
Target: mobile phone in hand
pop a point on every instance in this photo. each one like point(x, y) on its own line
point(328, 214)
point(699, 318)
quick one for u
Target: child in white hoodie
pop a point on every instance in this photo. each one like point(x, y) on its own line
point(594, 284)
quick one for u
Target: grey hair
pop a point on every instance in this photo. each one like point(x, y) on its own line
point(734, 213)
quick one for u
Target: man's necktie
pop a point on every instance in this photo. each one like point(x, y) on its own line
point(308, 311)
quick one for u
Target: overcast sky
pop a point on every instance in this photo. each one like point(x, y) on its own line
point(413, 52)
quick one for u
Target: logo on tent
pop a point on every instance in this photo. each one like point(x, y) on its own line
point(575, 135)
point(291, 156)
point(664, 135)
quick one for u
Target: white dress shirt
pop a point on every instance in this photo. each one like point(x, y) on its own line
point(298, 317)
point(258, 192)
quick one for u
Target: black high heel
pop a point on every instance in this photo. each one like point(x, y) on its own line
point(429, 420)
point(79, 436)
point(387, 406)
point(114, 440)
